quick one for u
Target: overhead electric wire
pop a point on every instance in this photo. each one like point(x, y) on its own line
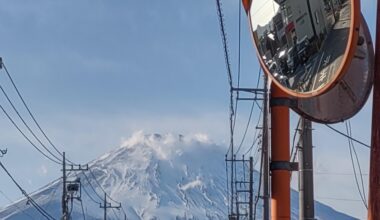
point(345, 135)
point(358, 162)
point(30, 112)
point(238, 71)
point(23, 134)
point(340, 199)
point(256, 135)
point(229, 75)
point(91, 186)
point(114, 213)
point(30, 199)
point(250, 116)
point(246, 128)
point(228, 64)
point(351, 147)
point(81, 205)
point(228, 188)
point(51, 197)
point(71, 208)
point(259, 189)
point(100, 186)
point(17, 207)
point(89, 196)
point(294, 146)
point(27, 126)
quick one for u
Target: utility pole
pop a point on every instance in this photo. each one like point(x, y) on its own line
point(265, 151)
point(258, 95)
point(106, 205)
point(65, 211)
point(250, 188)
point(65, 195)
point(374, 175)
point(305, 175)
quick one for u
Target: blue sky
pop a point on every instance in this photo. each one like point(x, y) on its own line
point(96, 71)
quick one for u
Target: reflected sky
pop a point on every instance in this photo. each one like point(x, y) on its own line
point(263, 11)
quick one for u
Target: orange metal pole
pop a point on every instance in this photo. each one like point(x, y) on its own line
point(280, 182)
point(374, 175)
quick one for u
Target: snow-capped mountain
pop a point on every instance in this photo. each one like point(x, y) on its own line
point(154, 177)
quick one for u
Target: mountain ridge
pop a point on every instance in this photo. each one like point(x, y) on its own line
point(154, 177)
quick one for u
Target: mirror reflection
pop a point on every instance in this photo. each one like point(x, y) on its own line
point(301, 42)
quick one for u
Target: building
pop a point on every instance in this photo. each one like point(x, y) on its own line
point(306, 18)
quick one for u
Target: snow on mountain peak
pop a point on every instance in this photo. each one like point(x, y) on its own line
point(168, 145)
point(154, 177)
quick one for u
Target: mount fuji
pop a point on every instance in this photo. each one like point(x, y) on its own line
point(155, 177)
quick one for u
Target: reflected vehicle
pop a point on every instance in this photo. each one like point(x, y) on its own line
point(302, 45)
point(303, 49)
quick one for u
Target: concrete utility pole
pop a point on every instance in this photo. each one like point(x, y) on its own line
point(305, 175)
point(250, 188)
point(65, 211)
point(265, 149)
point(65, 195)
point(106, 205)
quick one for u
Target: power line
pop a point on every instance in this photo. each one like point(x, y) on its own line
point(83, 214)
point(340, 199)
point(17, 207)
point(229, 75)
point(26, 125)
point(23, 134)
point(35, 205)
point(337, 174)
point(352, 149)
point(256, 135)
point(89, 196)
point(91, 186)
point(29, 111)
point(105, 193)
point(228, 67)
point(250, 115)
point(246, 128)
point(345, 135)
point(100, 186)
point(259, 189)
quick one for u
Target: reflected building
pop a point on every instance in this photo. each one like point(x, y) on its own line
point(301, 43)
point(304, 19)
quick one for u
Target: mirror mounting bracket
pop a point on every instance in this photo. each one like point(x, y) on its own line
point(288, 102)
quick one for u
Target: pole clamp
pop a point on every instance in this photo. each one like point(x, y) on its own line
point(288, 102)
point(284, 165)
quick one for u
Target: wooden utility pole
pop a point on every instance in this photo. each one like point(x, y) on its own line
point(374, 175)
point(305, 175)
point(280, 164)
point(265, 149)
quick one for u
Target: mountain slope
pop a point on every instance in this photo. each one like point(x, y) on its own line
point(155, 177)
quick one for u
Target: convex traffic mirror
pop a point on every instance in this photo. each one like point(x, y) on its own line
point(305, 46)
